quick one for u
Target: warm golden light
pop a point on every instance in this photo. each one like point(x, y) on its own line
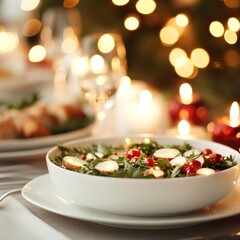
point(145, 6)
point(186, 70)
point(232, 3)
point(181, 20)
point(97, 63)
point(69, 45)
point(184, 128)
point(70, 3)
point(234, 115)
point(37, 53)
point(100, 80)
point(124, 86)
point(168, 35)
point(70, 41)
point(233, 24)
point(8, 41)
point(120, 2)
point(79, 66)
point(131, 23)
point(177, 57)
point(116, 64)
point(185, 92)
point(27, 5)
point(31, 27)
point(230, 37)
point(200, 58)
point(216, 29)
point(106, 43)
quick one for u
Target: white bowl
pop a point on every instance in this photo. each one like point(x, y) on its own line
point(145, 197)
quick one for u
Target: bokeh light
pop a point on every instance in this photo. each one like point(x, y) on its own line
point(168, 35)
point(232, 3)
point(131, 22)
point(120, 2)
point(70, 3)
point(145, 6)
point(27, 5)
point(177, 57)
point(97, 63)
point(37, 53)
point(181, 20)
point(230, 37)
point(31, 27)
point(233, 24)
point(216, 29)
point(106, 43)
point(186, 69)
point(200, 57)
point(8, 41)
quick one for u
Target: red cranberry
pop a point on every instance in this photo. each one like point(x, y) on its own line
point(206, 152)
point(150, 162)
point(190, 171)
point(195, 163)
point(216, 158)
point(132, 153)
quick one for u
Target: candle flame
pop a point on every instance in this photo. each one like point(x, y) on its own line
point(234, 114)
point(184, 128)
point(185, 92)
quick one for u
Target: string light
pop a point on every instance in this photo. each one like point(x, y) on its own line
point(177, 57)
point(233, 24)
point(168, 35)
point(181, 20)
point(27, 5)
point(200, 58)
point(216, 29)
point(145, 6)
point(230, 37)
point(186, 69)
point(31, 27)
point(70, 3)
point(37, 53)
point(120, 2)
point(131, 22)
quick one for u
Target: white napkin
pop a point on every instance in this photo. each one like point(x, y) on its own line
point(17, 222)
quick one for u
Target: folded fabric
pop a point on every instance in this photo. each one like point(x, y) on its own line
point(17, 222)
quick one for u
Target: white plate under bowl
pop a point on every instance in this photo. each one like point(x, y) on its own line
point(40, 142)
point(41, 192)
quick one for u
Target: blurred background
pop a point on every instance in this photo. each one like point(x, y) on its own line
point(168, 42)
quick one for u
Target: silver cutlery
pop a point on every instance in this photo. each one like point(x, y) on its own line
point(16, 190)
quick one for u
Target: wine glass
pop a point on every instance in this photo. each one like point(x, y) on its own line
point(102, 65)
point(60, 36)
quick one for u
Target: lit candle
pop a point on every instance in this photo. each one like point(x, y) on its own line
point(185, 130)
point(226, 129)
point(144, 113)
point(234, 115)
point(185, 92)
point(187, 106)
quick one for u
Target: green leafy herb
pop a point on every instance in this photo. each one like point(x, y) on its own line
point(23, 103)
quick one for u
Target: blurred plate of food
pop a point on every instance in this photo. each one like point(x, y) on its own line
point(24, 155)
point(31, 124)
